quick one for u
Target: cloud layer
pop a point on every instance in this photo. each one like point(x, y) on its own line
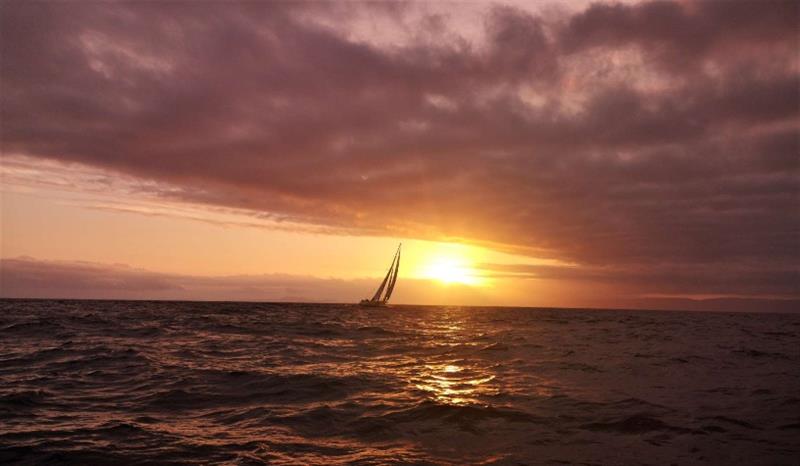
point(658, 138)
point(25, 277)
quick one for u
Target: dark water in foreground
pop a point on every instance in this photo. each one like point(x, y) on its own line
point(164, 383)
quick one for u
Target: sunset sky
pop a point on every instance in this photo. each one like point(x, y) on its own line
point(573, 154)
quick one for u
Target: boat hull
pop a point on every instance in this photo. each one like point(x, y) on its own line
point(370, 303)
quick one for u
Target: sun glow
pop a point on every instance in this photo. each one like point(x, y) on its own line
point(451, 266)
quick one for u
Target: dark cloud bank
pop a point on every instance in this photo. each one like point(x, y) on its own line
point(654, 143)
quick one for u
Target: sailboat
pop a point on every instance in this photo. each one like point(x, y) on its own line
point(379, 299)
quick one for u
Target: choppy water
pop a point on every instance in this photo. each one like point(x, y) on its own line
point(156, 382)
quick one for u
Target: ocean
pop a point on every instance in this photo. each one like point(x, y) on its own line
point(121, 382)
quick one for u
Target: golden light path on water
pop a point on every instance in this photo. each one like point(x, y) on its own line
point(453, 382)
point(455, 378)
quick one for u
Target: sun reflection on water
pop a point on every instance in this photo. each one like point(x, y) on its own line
point(446, 379)
point(452, 368)
point(455, 384)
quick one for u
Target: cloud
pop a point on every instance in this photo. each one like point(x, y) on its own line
point(619, 135)
point(742, 280)
point(682, 35)
point(27, 277)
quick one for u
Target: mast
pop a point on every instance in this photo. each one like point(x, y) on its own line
point(394, 275)
point(378, 293)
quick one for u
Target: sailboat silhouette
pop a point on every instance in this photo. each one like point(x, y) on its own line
point(390, 279)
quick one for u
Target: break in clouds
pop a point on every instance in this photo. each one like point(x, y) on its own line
point(630, 139)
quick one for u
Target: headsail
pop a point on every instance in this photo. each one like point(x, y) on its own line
point(394, 275)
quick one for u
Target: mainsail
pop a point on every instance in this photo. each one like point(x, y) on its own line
point(394, 276)
point(390, 279)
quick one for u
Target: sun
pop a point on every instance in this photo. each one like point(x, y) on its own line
point(451, 269)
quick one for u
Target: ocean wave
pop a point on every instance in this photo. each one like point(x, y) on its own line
point(23, 399)
point(466, 416)
point(247, 388)
point(635, 424)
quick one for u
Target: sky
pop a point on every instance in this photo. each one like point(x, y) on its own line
point(569, 154)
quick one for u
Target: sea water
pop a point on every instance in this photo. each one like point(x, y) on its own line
point(99, 382)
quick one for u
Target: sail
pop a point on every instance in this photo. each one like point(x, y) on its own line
point(378, 293)
point(394, 276)
point(391, 278)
